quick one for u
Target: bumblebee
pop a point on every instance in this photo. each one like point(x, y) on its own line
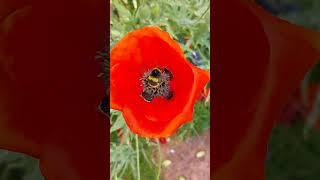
point(156, 82)
point(154, 77)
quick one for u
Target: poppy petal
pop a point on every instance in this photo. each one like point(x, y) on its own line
point(278, 54)
point(146, 126)
point(49, 87)
point(11, 13)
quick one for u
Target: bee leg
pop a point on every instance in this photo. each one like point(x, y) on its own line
point(147, 96)
point(166, 71)
point(169, 95)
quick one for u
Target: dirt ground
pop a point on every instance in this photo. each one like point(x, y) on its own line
point(180, 161)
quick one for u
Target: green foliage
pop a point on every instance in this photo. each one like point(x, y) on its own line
point(200, 122)
point(308, 16)
point(123, 152)
point(16, 166)
point(181, 18)
point(123, 160)
point(294, 157)
point(314, 74)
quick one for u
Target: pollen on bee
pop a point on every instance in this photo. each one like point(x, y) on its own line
point(156, 83)
point(153, 79)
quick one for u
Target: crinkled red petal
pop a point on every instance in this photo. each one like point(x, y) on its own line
point(138, 52)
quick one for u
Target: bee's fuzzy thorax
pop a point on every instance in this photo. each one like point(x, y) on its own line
point(156, 83)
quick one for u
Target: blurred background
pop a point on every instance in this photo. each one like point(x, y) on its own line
point(17, 166)
point(294, 147)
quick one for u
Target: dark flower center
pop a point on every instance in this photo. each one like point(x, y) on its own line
point(156, 83)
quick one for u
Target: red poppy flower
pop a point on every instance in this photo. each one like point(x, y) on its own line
point(259, 62)
point(152, 83)
point(49, 90)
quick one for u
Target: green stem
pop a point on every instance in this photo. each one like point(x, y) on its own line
point(202, 54)
point(159, 165)
point(138, 159)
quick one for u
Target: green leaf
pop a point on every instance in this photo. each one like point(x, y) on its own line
point(119, 124)
point(144, 12)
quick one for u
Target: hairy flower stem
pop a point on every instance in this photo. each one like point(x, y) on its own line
point(138, 159)
point(160, 159)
